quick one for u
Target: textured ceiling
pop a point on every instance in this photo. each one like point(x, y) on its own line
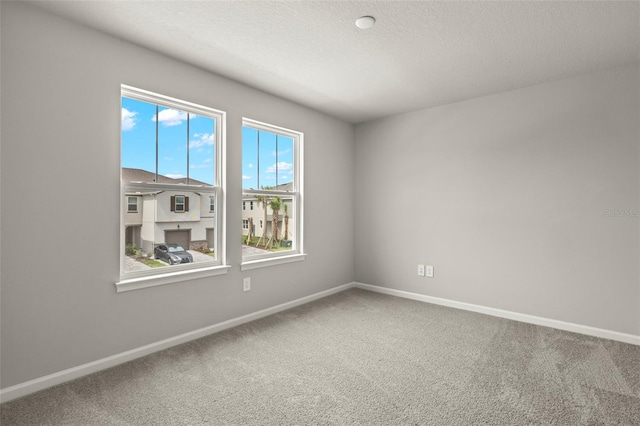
point(419, 54)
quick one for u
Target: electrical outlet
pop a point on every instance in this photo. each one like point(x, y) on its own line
point(429, 271)
point(246, 284)
point(421, 270)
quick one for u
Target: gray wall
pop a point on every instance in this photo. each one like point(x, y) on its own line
point(60, 188)
point(507, 197)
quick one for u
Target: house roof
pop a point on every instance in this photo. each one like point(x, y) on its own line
point(140, 175)
point(282, 187)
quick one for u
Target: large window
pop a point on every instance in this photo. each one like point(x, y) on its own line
point(272, 182)
point(171, 173)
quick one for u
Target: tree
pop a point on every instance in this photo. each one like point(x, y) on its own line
point(285, 209)
point(275, 205)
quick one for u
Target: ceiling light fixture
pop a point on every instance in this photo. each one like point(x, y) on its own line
point(365, 22)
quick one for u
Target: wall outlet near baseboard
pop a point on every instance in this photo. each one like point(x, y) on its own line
point(421, 270)
point(246, 284)
point(429, 271)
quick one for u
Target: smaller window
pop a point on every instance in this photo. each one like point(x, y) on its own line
point(212, 204)
point(132, 204)
point(272, 183)
point(244, 205)
point(245, 223)
point(179, 203)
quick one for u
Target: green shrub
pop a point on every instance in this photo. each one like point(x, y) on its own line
point(131, 250)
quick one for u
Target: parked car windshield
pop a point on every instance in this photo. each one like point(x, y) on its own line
point(173, 249)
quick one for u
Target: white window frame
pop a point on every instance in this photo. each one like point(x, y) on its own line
point(129, 204)
point(212, 204)
point(177, 273)
point(297, 253)
point(177, 203)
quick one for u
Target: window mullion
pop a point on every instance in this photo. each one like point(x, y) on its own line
point(258, 180)
point(157, 144)
point(188, 148)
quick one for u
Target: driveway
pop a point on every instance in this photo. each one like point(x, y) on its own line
point(131, 265)
point(200, 257)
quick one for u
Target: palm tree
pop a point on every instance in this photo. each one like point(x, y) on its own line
point(285, 208)
point(275, 205)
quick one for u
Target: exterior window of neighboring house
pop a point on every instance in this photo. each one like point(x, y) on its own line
point(179, 203)
point(132, 204)
point(245, 223)
point(171, 162)
point(244, 205)
point(272, 178)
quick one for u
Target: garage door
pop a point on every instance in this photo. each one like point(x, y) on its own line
point(210, 237)
point(178, 237)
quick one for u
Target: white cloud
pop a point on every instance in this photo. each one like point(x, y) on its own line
point(128, 119)
point(250, 165)
point(175, 175)
point(172, 117)
point(245, 177)
point(202, 139)
point(281, 166)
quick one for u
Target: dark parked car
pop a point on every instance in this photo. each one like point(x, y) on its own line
point(172, 254)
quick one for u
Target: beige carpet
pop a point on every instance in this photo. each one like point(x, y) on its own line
point(359, 358)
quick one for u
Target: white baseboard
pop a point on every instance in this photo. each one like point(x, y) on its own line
point(35, 385)
point(561, 325)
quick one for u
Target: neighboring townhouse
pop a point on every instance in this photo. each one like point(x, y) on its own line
point(178, 216)
point(253, 214)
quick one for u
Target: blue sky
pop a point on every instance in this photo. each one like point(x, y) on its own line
point(139, 141)
point(269, 165)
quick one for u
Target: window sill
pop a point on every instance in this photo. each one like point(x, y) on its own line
point(169, 278)
point(263, 263)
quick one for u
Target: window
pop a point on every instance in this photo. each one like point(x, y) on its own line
point(179, 203)
point(172, 177)
point(132, 204)
point(272, 181)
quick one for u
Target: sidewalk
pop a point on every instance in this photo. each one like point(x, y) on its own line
point(249, 250)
